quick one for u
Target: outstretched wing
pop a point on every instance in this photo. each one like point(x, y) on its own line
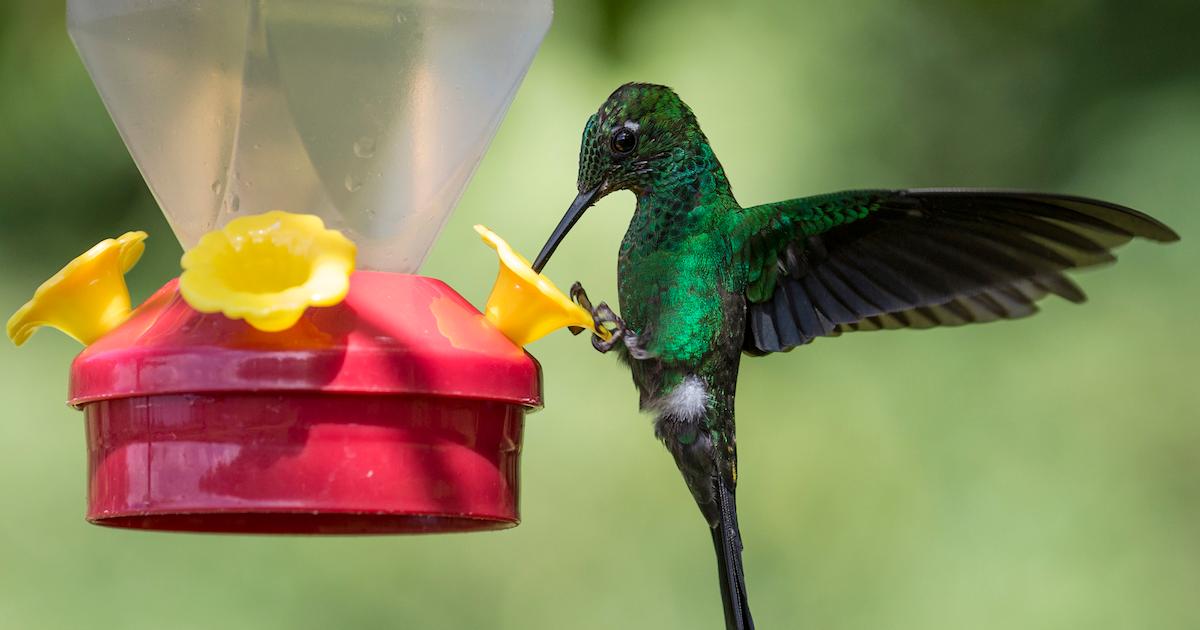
point(881, 259)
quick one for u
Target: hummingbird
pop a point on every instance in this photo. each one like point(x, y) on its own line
point(703, 280)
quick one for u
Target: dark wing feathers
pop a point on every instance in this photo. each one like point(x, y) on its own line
point(879, 260)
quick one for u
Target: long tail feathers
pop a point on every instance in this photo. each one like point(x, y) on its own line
point(727, 540)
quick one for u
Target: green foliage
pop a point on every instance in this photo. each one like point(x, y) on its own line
point(1041, 474)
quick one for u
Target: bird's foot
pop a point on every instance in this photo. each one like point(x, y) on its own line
point(607, 320)
point(604, 318)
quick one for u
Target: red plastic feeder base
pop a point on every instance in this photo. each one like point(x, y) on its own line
point(398, 411)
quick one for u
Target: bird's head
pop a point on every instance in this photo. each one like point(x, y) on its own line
point(639, 132)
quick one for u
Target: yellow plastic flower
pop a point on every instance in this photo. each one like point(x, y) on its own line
point(268, 269)
point(87, 298)
point(524, 304)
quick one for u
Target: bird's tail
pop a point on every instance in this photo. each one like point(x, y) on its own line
point(727, 540)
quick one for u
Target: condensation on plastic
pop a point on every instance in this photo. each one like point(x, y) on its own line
point(371, 114)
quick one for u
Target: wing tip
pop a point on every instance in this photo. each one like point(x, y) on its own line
point(1144, 225)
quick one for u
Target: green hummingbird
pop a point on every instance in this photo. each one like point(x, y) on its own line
point(703, 280)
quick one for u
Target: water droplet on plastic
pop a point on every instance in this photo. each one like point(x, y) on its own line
point(401, 17)
point(235, 204)
point(216, 187)
point(364, 147)
point(353, 183)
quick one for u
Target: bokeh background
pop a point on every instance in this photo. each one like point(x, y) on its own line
point(1036, 474)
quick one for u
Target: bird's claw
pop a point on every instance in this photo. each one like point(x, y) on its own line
point(604, 318)
point(580, 297)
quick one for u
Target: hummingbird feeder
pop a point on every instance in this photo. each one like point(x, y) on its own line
point(298, 378)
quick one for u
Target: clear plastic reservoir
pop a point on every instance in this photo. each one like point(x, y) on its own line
point(370, 113)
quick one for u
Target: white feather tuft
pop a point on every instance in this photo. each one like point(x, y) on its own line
point(689, 401)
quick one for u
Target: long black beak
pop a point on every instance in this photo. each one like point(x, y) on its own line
point(581, 203)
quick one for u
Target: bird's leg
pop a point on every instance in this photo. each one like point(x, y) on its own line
point(633, 343)
point(605, 318)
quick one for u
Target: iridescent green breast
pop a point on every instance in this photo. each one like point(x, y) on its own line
point(672, 287)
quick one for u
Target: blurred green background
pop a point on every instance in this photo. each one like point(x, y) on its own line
point(1037, 474)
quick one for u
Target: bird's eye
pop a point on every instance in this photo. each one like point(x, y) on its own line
point(624, 140)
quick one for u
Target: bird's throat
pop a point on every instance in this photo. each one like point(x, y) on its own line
point(685, 197)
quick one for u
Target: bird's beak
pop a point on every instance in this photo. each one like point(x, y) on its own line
point(582, 202)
